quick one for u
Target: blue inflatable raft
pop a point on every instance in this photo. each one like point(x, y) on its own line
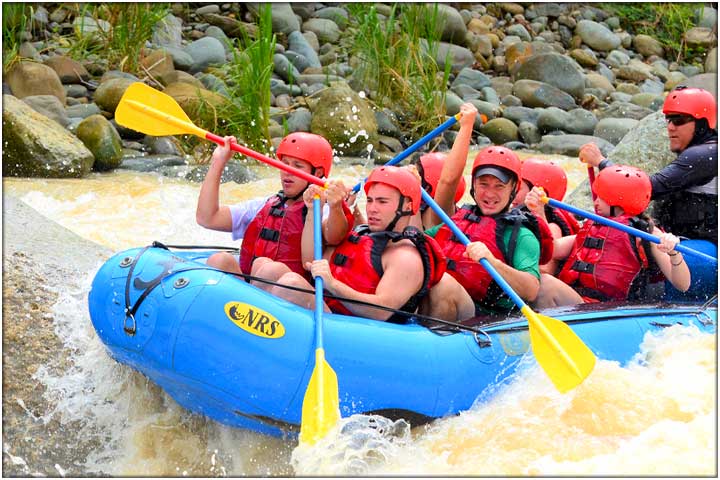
point(225, 349)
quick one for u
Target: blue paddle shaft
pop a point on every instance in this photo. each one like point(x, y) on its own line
point(317, 255)
point(465, 241)
point(627, 229)
point(415, 146)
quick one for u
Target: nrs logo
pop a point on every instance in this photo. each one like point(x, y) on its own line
point(253, 320)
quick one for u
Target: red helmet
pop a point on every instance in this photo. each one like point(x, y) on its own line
point(312, 148)
point(624, 186)
point(696, 102)
point(430, 168)
point(547, 174)
point(501, 157)
point(400, 179)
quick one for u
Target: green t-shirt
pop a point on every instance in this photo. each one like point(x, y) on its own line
point(525, 259)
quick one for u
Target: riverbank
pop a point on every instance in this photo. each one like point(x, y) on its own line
point(40, 259)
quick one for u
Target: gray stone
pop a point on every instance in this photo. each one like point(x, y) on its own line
point(29, 78)
point(519, 31)
point(472, 78)
point(614, 129)
point(163, 145)
point(218, 34)
point(298, 60)
point(707, 17)
point(597, 36)
point(336, 14)
point(582, 122)
point(500, 130)
point(518, 114)
point(529, 133)
point(570, 144)
point(387, 122)
point(299, 120)
point(490, 95)
point(181, 59)
point(458, 57)
point(624, 110)
point(75, 91)
point(35, 146)
point(82, 110)
point(109, 93)
point(647, 46)
point(617, 59)
point(539, 94)
point(450, 22)
point(553, 118)
point(50, 106)
point(284, 68)
point(326, 30)
point(553, 69)
point(711, 61)
point(168, 32)
point(205, 52)
point(298, 43)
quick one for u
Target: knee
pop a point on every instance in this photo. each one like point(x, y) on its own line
point(223, 261)
point(265, 268)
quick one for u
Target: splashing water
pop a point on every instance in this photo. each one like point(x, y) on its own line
point(655, 416)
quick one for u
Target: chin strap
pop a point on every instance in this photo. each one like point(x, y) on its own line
point(399, 213)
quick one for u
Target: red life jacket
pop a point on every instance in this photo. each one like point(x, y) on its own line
point(276, 233)
point(357, 262)
point(490, 230)
point(606, 262)
point(563, 219)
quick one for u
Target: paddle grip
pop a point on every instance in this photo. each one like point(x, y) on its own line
point(415, 146)
point(627, 229)
point(265, 159)
point(465, 241)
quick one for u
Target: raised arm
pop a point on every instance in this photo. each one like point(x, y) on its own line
point(671, 263)
point(210, 214)
point(453, 167)
point(335, 226)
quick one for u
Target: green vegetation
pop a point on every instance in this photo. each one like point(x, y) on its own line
point(247, 114)
point(397, 61)
point(117, 31)
point(15, 23)
point(667, 22)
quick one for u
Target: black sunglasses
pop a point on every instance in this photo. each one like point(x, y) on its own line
point(679, 120)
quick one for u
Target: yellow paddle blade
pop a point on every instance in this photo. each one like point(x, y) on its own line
point(149, 111)
point(559, 351)
point(321, 405)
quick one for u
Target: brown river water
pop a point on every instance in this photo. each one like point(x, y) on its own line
point(70, 410)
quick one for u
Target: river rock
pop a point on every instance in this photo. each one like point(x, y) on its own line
point(300, 120)
point(553, 118)
point(582, 122)
point(706, 81)
point(30, 78)
point(158, 63)
point(700, 37)
point(178, 76)
point(283, 18)
point(345, 120)
point(518, 114)
point(336, 14)
point(500, 130)
point(646, 145)
point(205, 52)
point(449, 22)
point(539, 94)
point(50, 106)
point(101, 138)
point(647, 46)
point(472, 78)
point(201, 105)
point(711, 61)
point(35, 146)
point(624, 110)
point(67, 69)
point(232, 27)
point(459, 57)
point(570, 144)
point(298, 43)
point(284, 68)
point(326, 30)
point(597, 36)
point(168, 32)
point(614, 129)
point(109, 93)
point(82, 110)
point(553, 69)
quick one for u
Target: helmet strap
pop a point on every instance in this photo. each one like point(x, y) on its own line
point(399, 213)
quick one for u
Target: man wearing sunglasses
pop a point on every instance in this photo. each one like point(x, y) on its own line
point(685, 191)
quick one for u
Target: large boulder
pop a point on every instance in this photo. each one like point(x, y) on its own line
point(538, 94)
point(200, 104)
point(450, 22)
point(101, 138)
point(35, 146)
point(345, 120)
point(597, 36)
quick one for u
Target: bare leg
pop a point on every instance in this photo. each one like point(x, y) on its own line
point(224, 261)
point(555, 293)
point(292, 279)
point(448, 300)
point(268, 269)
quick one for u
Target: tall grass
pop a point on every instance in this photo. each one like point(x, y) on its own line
point(667, 22)
point(15, 22)
point(129, 27)
point(397, 61)
point(247, 114)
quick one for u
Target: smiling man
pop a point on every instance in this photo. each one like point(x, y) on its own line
point(495, 233)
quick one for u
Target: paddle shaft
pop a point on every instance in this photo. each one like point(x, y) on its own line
point(626, 228)
point(317, 255)
point(415, 146)
point(465, 241)
point(188, 127)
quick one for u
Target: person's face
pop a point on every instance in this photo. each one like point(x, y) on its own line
point(520, 197)
point(492, 195)
point(601, 207)
point(382, 203)
point(681, 129)
point(292, 185)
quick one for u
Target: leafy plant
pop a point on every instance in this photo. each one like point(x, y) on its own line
point(119, 30)
point(247, 114)
point(397, 61)
point(667, 22)
point(15, 22)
